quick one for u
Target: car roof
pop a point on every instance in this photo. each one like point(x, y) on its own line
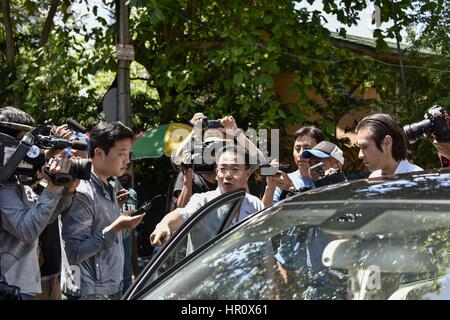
point(430, 184)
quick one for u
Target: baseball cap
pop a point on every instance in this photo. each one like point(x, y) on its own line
point(325, 149)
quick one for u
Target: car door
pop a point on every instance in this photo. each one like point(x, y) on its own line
point(215, 217)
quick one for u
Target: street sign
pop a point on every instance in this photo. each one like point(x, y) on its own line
point(125, 51)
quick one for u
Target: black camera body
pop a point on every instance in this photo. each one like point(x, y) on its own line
point(8, 292)
point(435, 124)
point(326, 180)
point(79, 169)
point(32, 160)
point(22, 159)
point(197, 160)
point(210, 124)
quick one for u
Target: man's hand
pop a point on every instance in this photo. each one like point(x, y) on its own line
point(63, 132)
point(125, 221)
point(443, 148)
point(59, 165)
point(122, 196)
point(281, 181)
point(197, 117)
point(71, 187)
point(228, 125)
point(160, 235)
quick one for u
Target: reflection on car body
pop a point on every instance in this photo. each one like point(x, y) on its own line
point(369, 239)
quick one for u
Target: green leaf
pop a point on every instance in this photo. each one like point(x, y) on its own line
point(281, 113)
point(270, 67)
point(238, 78)
point(267, 19)
point(159, 14)
point(307, 81)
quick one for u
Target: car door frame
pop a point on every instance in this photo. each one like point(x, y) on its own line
point(141, 282)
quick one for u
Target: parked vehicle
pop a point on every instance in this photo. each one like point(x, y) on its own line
point(386, 238)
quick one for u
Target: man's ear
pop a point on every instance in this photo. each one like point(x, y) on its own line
point(99, 153)
point(248, 173)
point(387, 143)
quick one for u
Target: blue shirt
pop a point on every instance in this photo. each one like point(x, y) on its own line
point(298, 181)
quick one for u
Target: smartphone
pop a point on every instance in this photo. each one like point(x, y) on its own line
point(142, 209)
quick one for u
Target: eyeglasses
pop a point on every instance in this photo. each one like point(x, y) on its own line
point(233, 171)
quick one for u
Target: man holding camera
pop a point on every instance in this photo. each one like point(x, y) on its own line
point(233, 171)
point(279, 185)
point(329, 161)
point(24, 214)
point(382, 146)
point(293, 256)
point(221, 131)
point(93, 224)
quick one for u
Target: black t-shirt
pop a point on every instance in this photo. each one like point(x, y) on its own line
point(50, 247)
point(199, 184)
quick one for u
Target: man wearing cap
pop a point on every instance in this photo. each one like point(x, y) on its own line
point(293, 257)
point(332, 160)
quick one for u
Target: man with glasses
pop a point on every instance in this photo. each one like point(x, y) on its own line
point(232, 173)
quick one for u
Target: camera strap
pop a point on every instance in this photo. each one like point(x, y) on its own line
point(16, 158)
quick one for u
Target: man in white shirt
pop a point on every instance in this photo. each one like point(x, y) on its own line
point(232, 173)
point(382, 146)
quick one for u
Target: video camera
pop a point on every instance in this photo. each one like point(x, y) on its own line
point(24, 158)
point(197, 161)
point(436, 123)
point(326, 180)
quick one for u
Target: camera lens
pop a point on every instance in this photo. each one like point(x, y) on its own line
point(81, 169)
point(416, 131)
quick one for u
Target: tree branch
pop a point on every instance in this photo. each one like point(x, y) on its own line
point(10, 45)
point(48, 25)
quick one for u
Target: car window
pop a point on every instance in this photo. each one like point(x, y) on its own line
point(200, 228)
point(297, 251)
point(197, 235)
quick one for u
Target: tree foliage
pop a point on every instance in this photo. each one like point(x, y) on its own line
point(222, 57)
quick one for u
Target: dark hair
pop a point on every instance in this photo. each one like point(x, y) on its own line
point(105, 134)
point(235, 149)
point(14, 115)
point(381, 125)
point(311, 131)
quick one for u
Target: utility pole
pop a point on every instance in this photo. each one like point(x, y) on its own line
point(125, 54)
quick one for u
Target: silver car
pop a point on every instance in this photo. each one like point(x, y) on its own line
point(384, 238)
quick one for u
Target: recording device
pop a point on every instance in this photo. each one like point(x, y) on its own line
point(145, 207)
point(197, 162)
point(22, 159)
point(210, 124)
point(79, 169)
point(75, 126)
point(318, 168)
point(435, 123)
point(326, 180)
point(142, 209)
point(8, 292)
point(274, 171)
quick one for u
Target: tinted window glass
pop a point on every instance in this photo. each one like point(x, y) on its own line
point(398, 249)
